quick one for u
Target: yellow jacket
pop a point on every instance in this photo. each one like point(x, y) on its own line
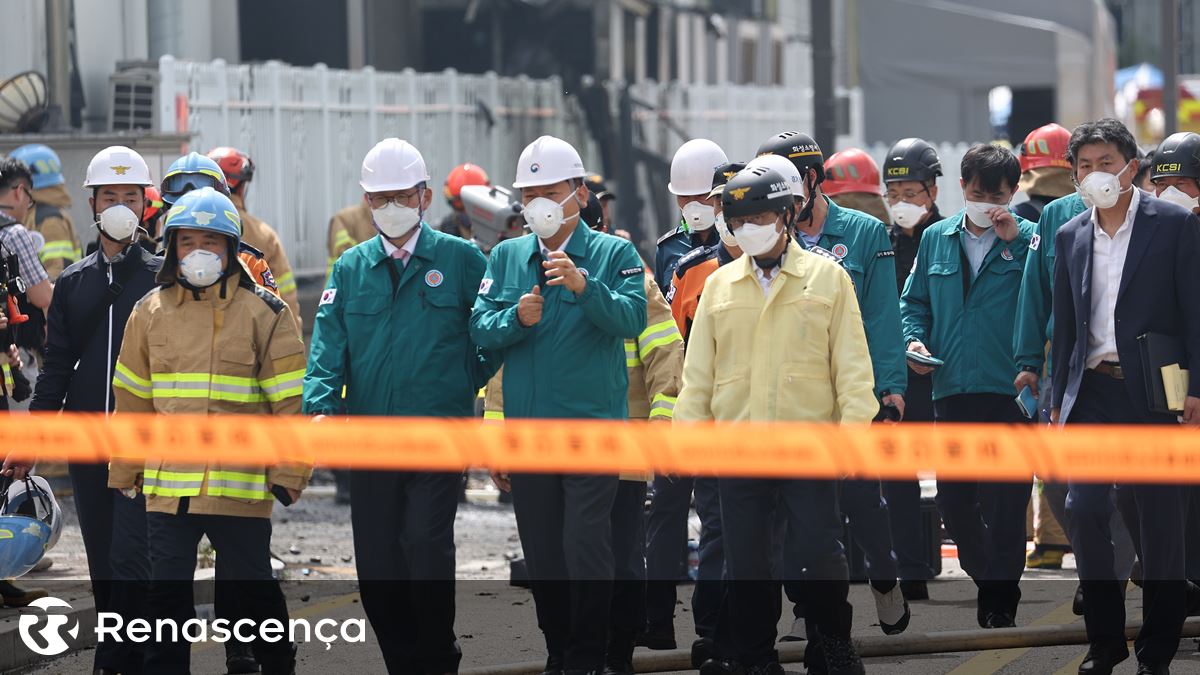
point(797, 354)
point(51, 217)
point(238, 354)
point(264, 238)
point(348, 228)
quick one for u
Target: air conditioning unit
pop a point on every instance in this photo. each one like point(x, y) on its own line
point(133, 97)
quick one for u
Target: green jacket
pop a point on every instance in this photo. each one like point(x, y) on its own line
point(1034, 306)
point(571, 363)
point(399, 349)
point(968, 324)
point(863, 244)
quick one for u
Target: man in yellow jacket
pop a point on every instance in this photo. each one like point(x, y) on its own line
point(778, 336)
point(347, 229)
point(208, 341)
point(239, 171)
point(50, 215)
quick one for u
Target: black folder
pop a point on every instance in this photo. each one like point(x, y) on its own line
point(1158, 350)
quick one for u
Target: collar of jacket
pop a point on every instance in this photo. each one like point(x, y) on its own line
point(135, 254)
point(425, 243)
point(55, 195)
point(212, 294)
point(577, 247)
point(793, 262)
point(834, 225)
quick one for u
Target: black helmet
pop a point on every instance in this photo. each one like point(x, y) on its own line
point(722, 175)
point(911, 159)
point(1178, 155)
point(798, 148)
point(756, 190)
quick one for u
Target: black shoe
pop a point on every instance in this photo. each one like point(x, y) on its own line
point(1101, 659)
point(1077, 602)
point(619, 658)
point(658, 637)
point(703, 650)
point(1148, 669)
point(554, 666)
point(239, 658)
point(767, 668)
point(721, 667)
point(914, 590)
point(841, 658)
point(999, 620)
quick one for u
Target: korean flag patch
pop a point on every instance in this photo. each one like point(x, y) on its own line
point(485, 286)
point(1035, 242)
point(327, 296)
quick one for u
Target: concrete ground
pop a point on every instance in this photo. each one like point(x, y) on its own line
point(496, 622)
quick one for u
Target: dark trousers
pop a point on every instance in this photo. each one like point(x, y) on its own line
point(903, 497)
point(243, 544)
point(986, 520)
point(404, 553)
point(1156, 518)
point(564, 521)
point(666, 527)
point(114, 536)
point(753, 591)
point(629, 564)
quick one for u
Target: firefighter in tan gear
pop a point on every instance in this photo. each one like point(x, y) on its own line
point(209, 341)
point(239, 171)
point(50, 215)
point(655, 364)
point(348, 228)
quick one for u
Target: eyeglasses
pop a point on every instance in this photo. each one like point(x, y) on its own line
point(379, 201)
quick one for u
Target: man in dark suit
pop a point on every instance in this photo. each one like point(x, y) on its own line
point(1125, 267)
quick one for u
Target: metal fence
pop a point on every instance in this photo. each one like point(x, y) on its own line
point(308, 129)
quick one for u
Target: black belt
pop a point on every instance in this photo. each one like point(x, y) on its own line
point(1110, 369)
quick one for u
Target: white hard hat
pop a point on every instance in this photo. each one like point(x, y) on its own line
point(117, 165)
point(785, 168)
point(693, 165)
point(547, 161)
point(392, 164)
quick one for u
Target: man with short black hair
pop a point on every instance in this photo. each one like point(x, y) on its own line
point(959, 305)
point(1126, 268)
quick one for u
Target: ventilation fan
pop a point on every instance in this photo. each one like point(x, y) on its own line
point(23, 103)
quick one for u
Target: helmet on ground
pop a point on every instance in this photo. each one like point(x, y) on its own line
point(911, 159)
point(392, 164)
point(755, 190)
point(1045, 147)
point(43, 163)
point(191, 172)
point(30, 524)
point(235, 164)
point(547, 161)
point(851, 170)
point(798, 148)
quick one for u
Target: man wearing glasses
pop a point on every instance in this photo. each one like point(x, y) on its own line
point(391, 327)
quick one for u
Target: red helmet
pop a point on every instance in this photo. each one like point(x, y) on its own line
point(154, 204)
point(235, 164)
point(1045, 146)
point(851, 170)
point(464, 174)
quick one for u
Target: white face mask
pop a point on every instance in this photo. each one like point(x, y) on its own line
point(119, 222)
point(756, 240)
point(1177, 196)
point(395, 221)
point(545, 216)
point(978, 213)
point(727, 237)
point(201, 268)
point(699, 216)
point(1103, 189)
point(907, 214)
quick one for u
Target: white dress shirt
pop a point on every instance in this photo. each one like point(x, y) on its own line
point(546, 250)
point(409, 246)
point(1108, 262)
point(767, 277)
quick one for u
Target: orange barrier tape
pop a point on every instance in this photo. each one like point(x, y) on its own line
point(976, 452)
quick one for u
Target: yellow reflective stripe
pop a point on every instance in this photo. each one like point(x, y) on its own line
point(237, 493)
point(658, 335)
point(172, 483)
point(204, 385)
point(342, 238)
point(170, 492)
point(8, 378)
point(493, 415)
point(285, 282)
point(632, 360)
point(237, 484)
point(124, 378)
point(284, 385)
point(662, 406)
point(63, 248)
point(197, 476)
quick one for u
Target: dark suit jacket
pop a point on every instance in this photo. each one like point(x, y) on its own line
point(1159, 293)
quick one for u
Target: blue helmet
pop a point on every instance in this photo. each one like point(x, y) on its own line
point(204, 209)
point(30, 522)
point(190, 172)
point(43, 163)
